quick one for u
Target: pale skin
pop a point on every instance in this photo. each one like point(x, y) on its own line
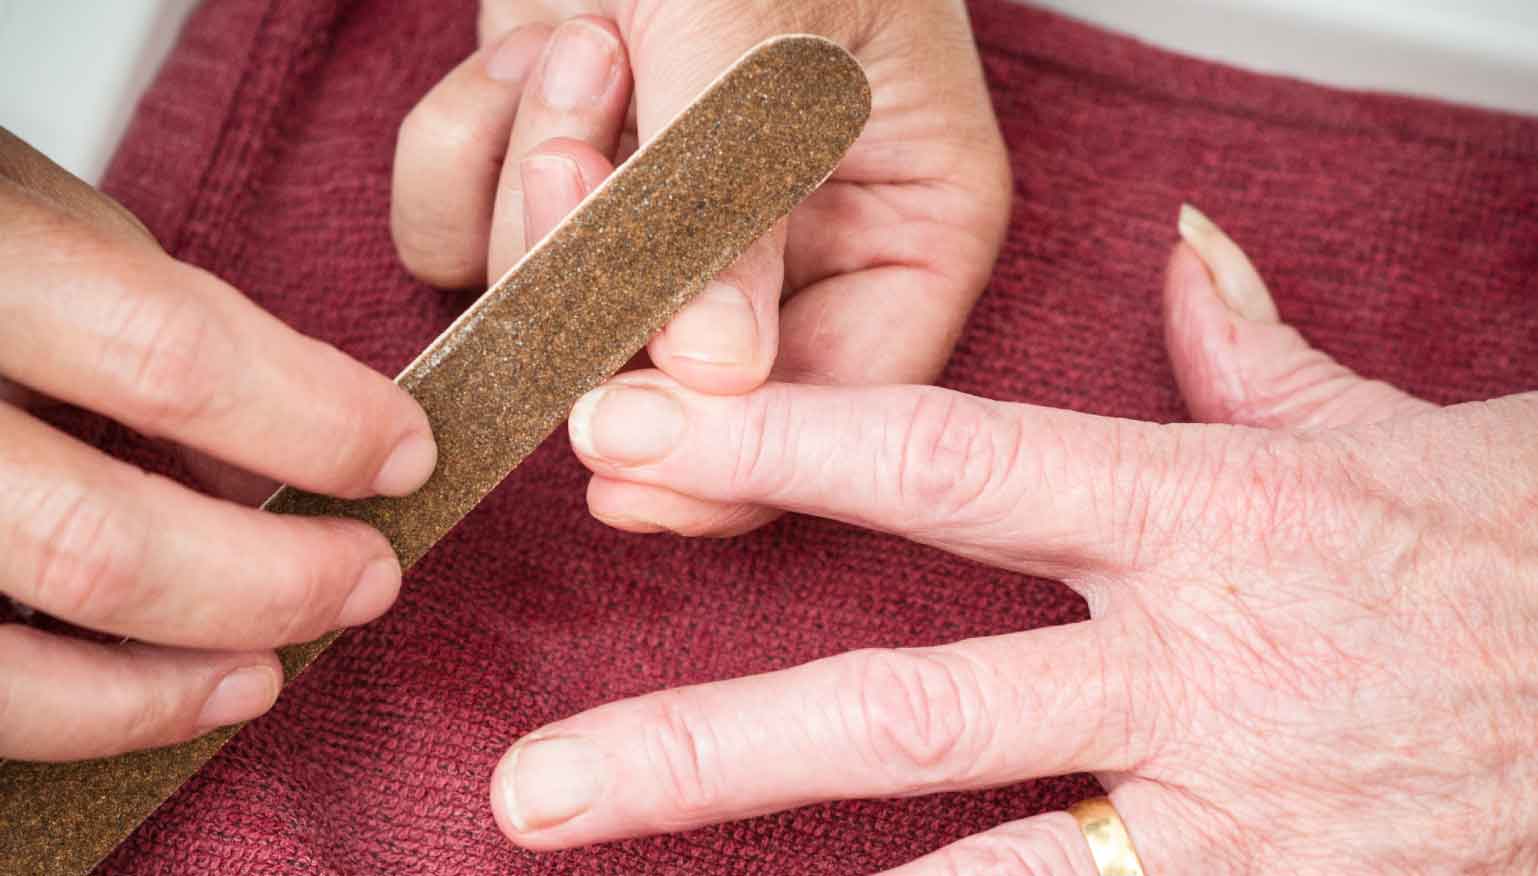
point(93, 313)
point(1314, 630)
point(202, 588)
point(1314, 634)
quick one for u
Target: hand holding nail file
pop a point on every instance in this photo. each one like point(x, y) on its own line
point(507, 373)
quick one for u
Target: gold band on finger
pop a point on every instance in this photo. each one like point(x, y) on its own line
point(1109, 842)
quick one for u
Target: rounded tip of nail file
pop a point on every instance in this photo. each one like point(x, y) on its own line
point(505, 375)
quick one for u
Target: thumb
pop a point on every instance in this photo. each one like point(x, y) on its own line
point(678, 49)
point(727, 340)
point(1237, 362)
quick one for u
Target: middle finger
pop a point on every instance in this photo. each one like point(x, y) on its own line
point(868, 724)
point(579, 90)
point(100, 544)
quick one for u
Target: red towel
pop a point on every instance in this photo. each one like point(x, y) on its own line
point(1400, 235)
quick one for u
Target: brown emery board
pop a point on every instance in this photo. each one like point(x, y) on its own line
point(765, 135)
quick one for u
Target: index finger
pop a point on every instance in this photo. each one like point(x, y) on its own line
point(174, 352)
point(1033, 489)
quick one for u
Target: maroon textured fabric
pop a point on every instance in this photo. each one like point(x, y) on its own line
point(1400, 235)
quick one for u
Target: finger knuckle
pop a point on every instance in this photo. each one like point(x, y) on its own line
point(441, 240)
point(165, 353)
point(1281, 491)
point(1265, 492)
point(352, 443)
point(150, 714)
point(679, 742)
point(951, 455)
point(302, 599)
point(444, 127)
point(436, 248)
point(918, 715)
point(1194, 490)
point(84, 551)
point(765, 445)
point(439, 245)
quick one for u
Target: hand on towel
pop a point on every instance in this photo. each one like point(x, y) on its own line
point(94, 314)
point(868, 282)
point(1314, 636)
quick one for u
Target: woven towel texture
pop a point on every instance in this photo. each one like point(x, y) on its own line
point(1400, 235)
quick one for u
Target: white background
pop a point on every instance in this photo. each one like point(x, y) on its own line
point(71, 70)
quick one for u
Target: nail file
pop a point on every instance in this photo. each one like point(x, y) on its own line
point(505, 375)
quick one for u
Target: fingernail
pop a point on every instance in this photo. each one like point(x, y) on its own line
point(718, 327)
point(1237, 281)
point(373, 595)
point(580, 65)
point(547, 782)
point(408, 467)
point(552, 185)
point(239, 696)
point(629, 425)
point(514, 57)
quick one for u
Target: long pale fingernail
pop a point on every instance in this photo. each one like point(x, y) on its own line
point(1238, 283)
point(408, 467)
point(373, 595)
point(240, 696)
point(543, 783)
point(580, 66)
point(718, 327)
point(514, 57)
point(629, 425)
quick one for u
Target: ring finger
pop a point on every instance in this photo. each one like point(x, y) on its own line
point(1054, 844)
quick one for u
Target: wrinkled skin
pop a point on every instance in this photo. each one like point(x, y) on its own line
point(95, 314)
point(1314, 636)
point(1314, 644)
point(869, 282)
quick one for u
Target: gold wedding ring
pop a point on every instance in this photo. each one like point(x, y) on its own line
point(1109, 842)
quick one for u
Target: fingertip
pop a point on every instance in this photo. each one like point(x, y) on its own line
point(546, 782)
point(647, 509)
point(242, 694)
point(377, 588)
point(448, 156)
point(1234, 276)
point(1187, 284)
point(1201, 335)
point(73, 699)
point(334, 573)
point(584, 65)
point(726, 340)
point(722, 343)
point(592, 166)
point(408, 466)
point(507, 809)
point(627, 424)
point(556, 177)
point(609, 502)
